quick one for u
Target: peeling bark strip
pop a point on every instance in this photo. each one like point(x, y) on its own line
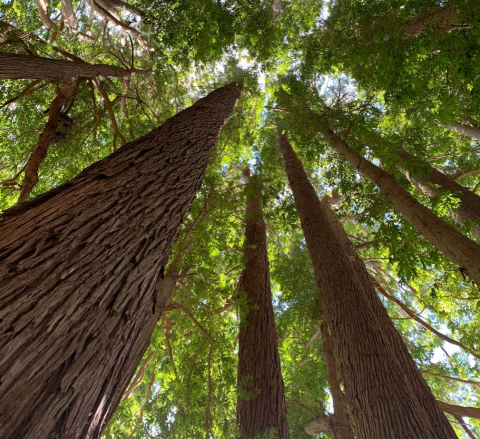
point(259, 371)
point(40, 152)
point(14, 66)
point(436, 183)
point(422, 391)
point(454, 245)
point(383, 401)
point(78, 269)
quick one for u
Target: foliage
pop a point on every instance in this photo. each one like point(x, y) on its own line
point(388, 76)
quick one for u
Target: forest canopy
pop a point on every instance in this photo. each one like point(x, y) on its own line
point(380, 101)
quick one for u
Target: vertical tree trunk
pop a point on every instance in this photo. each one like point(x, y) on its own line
point(39, 153)
point(339, 422)
point(78, 269)
point(423, 392)
point(382, 398)
point(457, 247)
point(435, 183)
point(261, 401)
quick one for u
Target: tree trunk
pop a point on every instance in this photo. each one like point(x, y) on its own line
point(383, 400)
point(339, 421)
point(457, 247)
point(466, 130)
point(78, 269)
point(423, 392)
point(444, 20)
point(40, 152)
point(13, 66)
point(69, 14)
point(435, 183)
point(261, 400)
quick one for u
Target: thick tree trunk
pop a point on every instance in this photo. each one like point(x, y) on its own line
point(261, 401)
point(13, 66)
point(40, 152)
point(423, 392)
point(383, 401)
point(78, 269)
point(435, 183)
point(457, 247)
point(339, 421)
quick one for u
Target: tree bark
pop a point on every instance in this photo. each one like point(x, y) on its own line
point(423, 392)
point(460, 411)
point(40, 152)
point(383, 400)
point(454, 245)
point(436, 183)
point(339, 421)
point(78, 269)
point(466, 130)
point(14, 66)
point(261, 401)
point(69, 14)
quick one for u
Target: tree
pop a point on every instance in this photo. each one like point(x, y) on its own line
point(65, 323)
point(362, 346)
point(261, 399)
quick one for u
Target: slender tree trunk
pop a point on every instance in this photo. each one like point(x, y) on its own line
point(435, 183)
point(423, 392)
point(383, 401)
point(444, 20)
point(40, 152)
point(454, 245)
point(69, 14)
point(261, 401)
point(14, 66)
point(339, 421)
point(466, 130)
point(78, 269)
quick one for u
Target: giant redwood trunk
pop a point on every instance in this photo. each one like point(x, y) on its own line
point(380, 391)
point(423, 392)
point(261, 399)
point(14, 66)
point(454, 245)
point(78, 269)
point(434, 183)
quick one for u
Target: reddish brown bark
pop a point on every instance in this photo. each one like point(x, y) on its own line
point(339, 422)
point(423, 392)
point(259, 373)
point(380, 390)
point(40, 152)
point(14, 66)
point(78, 269)
point(454, 245)
point(435, 183)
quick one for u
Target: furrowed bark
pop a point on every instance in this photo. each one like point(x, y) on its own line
point(383, 400)
point(40, 152)
point(259, 371)
point(339, 421)
point(78, 270)
point(457, 247)
point(436, 183)
point(14, 66)
point(423, 392)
